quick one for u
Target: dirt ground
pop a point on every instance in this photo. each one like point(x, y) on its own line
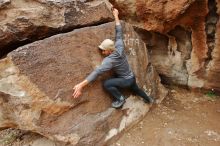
point(184, 118)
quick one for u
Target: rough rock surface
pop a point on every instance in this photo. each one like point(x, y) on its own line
point(182, 37)
point(23, 21)
point(36, 83)
point(151, 14)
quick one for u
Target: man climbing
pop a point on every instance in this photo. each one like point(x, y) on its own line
point(115, 59)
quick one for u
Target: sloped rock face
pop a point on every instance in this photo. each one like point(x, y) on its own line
point(36, 83)
point(182, 37)
point(23, 21)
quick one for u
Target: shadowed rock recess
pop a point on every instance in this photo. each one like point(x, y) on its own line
point(36, 83)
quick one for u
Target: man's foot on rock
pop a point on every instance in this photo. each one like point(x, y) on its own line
point(118, 103)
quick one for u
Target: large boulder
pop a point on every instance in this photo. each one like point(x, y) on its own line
point(182, 38)
point(23, 21)
point(36, 84)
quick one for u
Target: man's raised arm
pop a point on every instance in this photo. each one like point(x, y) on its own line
point(118, 26)
point(119, 44)
point(115, 14)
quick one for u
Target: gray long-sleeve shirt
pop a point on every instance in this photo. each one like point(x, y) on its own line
point(116, 60)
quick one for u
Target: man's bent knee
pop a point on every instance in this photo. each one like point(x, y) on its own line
point(107, 84)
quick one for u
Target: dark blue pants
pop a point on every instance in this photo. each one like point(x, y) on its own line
point(112, 86)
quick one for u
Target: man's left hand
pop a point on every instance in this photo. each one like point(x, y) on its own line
point(77, 91)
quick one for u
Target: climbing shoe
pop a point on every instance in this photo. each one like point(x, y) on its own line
point(118, 103)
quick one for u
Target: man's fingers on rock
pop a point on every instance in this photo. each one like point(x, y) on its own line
point(77, 95)
point(74, 93)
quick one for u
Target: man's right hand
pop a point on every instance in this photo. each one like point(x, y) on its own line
point(115, 12)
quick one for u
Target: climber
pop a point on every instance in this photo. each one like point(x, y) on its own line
point(115, 59)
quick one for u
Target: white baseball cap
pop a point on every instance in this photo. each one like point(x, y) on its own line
point(107, 44)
